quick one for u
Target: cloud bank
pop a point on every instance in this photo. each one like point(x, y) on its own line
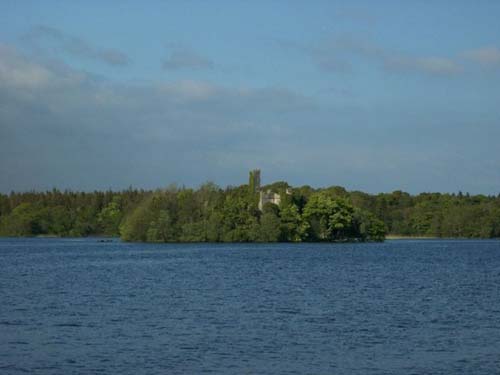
point(342, 53)
point(77, 122)
point(62, 127)
point(43, 37)
point(487, 56)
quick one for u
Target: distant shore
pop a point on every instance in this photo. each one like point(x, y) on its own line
point(252, 212)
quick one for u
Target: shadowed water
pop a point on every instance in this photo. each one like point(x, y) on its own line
point(401, 307)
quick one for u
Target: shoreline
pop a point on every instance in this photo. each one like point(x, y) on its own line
point(119, 239)
point(403, 237)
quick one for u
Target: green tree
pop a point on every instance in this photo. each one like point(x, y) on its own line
point(61, 221)
point(367, 227)
point(293, 228)
point(161, 228)
point(269, 230)
point(214, 227)
point(110, 217)
point(22, 221)
point(136, 225)
point(329, 218)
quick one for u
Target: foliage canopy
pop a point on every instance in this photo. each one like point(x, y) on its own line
point(213, 214)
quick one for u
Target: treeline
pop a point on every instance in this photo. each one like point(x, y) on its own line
point(232, 215)
point(434, 214)
point(213, 214)
point(66, 214)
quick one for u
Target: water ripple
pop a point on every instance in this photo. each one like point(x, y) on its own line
point(401, 307)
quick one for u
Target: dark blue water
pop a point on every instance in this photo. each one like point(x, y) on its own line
point(401, 307)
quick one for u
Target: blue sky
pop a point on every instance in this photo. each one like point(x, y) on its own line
point(373, 96)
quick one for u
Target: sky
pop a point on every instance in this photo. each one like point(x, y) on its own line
point(372, 96)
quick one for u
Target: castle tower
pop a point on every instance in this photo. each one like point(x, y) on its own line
point(254, 180)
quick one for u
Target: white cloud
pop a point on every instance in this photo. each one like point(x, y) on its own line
point(487, 56)
point(343, 53)
point(19, 73)
point(437, 65)
point(429, 65)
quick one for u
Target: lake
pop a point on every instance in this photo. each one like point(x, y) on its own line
point(80, 306)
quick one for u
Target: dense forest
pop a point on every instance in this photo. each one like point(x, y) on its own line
point(213, 214)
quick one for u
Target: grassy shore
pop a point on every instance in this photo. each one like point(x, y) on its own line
point(403, 237)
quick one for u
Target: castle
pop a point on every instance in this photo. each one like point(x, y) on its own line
point(267, 196)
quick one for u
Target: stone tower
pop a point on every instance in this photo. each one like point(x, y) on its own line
point(254, 180)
